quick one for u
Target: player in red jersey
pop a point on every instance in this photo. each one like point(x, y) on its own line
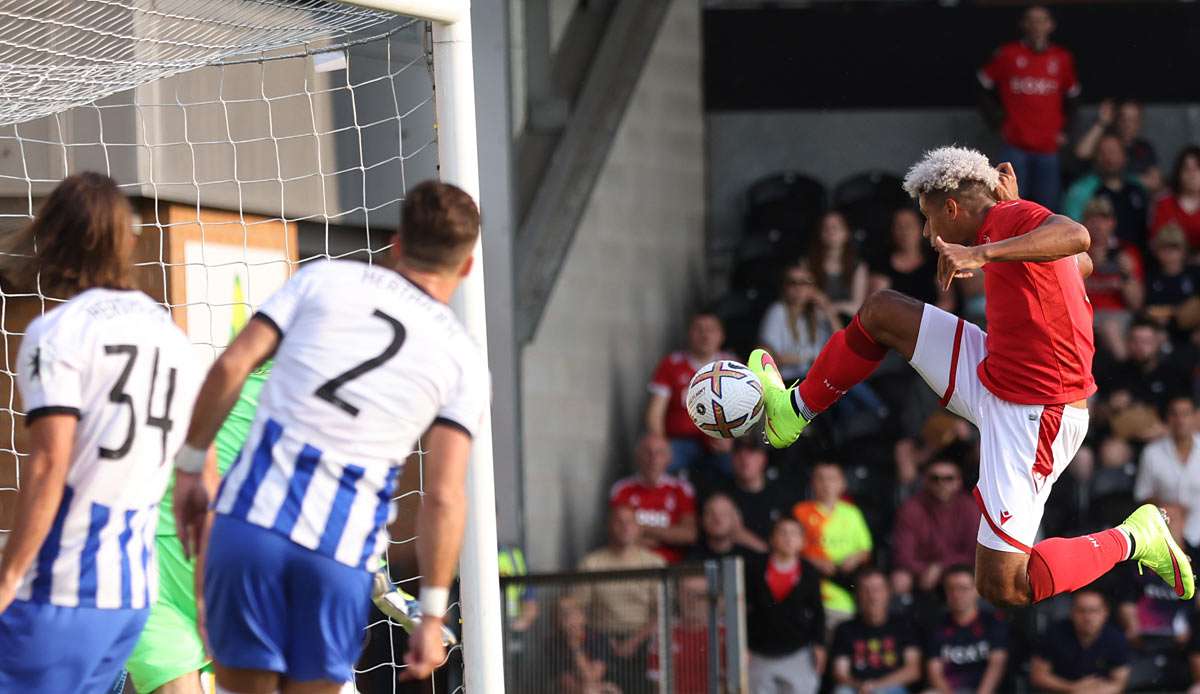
point(1024, 384)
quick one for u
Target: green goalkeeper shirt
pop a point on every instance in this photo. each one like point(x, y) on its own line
point(229, 442)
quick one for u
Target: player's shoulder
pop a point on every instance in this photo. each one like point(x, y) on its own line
point(624, 487)
point(678, 485)
point(85, 312)
point(1061, 52)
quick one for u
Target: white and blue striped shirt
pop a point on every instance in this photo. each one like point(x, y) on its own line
point(115, 360)
point(367, 362)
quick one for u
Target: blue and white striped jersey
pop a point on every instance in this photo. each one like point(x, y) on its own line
point(366, 364)
point(116, 361)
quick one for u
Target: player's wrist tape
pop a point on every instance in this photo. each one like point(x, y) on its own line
point(434, 601)
point(190, 459)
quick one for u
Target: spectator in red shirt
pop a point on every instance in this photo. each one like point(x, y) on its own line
point(1181, 205)
point(665, 506)
point(689, 639)
point(934, 529)
point(1115, 286)
point(666, 415)
point(1029, 87)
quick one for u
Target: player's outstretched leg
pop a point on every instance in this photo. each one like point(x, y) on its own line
point(1064, 564)
point(887, 320)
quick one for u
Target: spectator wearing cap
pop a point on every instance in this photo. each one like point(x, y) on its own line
point(666, 414)
point(1172, 285)
point(1114, 287)
point(785, 621)
point(839, 541)
point(1124, 118)
point(722, 528)
point(1181, 204)
point(1111, 180)
point(758, 495)
point(1030, 87)
point(1169, 473)
point(876, 651)
point(934, 529)
point(1085, 654)
point(968, 649)
point(664, 505)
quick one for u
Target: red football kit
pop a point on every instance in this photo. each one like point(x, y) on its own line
point(656, 506)
point(671, 379)
point(1039, 337)
point(1031, 85)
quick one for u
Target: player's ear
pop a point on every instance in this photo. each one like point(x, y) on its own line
point(467, 264)
point(952, 207)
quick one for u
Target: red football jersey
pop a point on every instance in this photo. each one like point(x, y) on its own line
point(657, 506)
point(1040, 344)
point(671, 378)
point(1032, 85)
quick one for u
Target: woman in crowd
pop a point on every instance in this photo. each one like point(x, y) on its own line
point(796, 327)
point(909, 268)
point(835, 266)
point(1181, 206)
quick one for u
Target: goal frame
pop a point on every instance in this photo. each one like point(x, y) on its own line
point(458, 163)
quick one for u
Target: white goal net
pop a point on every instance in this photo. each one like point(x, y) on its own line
point(251, 135)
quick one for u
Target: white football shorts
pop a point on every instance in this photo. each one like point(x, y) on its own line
point(1023, 448)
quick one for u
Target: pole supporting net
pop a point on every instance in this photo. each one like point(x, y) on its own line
point(251, 136)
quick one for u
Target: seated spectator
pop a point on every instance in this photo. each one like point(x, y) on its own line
point(968, 649)
point(934, 529)
point(722, 527)
point(665, 505)
point(1115, 286)
point(692, 451)
point(1124, 118)
point(625, 612)
point(689, 639)
point(910, 268)
point(835, 267)
point(1083, 654)
point(1169, 473)
point(841, 540)
point(760, 498)
point(578, 655)
point(874, 652)
point(1181, 205)
point(1138, 387)
point(1172, 283)
point(795, 328)
point(785, 622)
point(1111, 181)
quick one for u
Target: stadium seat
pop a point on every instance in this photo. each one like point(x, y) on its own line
point(868, 200)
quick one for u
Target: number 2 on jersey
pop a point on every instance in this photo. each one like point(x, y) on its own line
point(328, 389)
point(119, 396)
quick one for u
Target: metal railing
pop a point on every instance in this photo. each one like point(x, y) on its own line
point(603, 632)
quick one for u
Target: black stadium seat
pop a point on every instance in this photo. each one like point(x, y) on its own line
point(868, 200)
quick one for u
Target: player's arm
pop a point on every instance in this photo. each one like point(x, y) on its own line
point(44, 477)
point(1057, 237)
point(440, 523)
point(253, 346)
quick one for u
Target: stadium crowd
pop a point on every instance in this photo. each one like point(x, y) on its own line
point(858, 541)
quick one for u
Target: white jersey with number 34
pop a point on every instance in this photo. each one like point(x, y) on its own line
point(367, 362)
point(115, 360)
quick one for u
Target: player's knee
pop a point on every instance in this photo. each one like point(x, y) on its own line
point(880, 309)
point(1000, 592)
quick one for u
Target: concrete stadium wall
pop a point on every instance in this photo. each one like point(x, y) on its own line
point(634, 271)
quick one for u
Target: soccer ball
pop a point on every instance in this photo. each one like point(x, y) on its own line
point(725, 399)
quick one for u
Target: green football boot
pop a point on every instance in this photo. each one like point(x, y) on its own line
point(1154, 547)
point(783, 425)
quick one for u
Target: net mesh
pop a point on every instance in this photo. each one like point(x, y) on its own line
point(252, 136)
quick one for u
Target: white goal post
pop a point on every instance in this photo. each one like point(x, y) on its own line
point(458, 154)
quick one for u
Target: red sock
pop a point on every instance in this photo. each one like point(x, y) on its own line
point(1063, 564)
point(847, 359)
